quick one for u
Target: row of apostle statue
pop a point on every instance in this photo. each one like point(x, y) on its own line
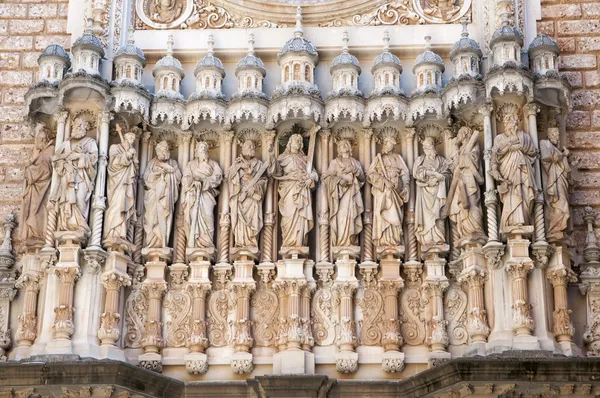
point(445, 188)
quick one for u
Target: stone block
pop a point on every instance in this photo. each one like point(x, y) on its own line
point(577, 61)
point(9, 60)
point(16, 43)
point(11, 113)
point(584, 140)
point(586, 98)
point(587, 44)
point(10, 11)
point(561, 11)
point(15, 132)
point(566, 44)
point(26, 27)
point(16, 78)
point(43, 10)
point(592, 79)
point(294, 362)
point(30, 60)
point(578, 120)
point(581, 27)
point(56, 26)
point(546, 28)
point(63, 10)
point(41, 42)
point(14, 95)
point(596, 118)
point(591, 10)
point(586, 160)
point(574, 79)
point(13, 154)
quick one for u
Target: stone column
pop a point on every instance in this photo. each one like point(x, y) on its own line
point(308, 341)
point(322, 210)
point(494, 249)
point(226, 139)
point(367, 255)
point(99, 199)
point(392, 359)
point(346, 360)
point(241, 362)
point(29, 284)
point(183, 152)
point(410, 214)
point(138, 239)
point(268, 239)
point(110, 331)
point(64, 326)
point(563, 328)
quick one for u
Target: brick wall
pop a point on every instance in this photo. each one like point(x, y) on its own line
point(26, 28)
point(575, 24)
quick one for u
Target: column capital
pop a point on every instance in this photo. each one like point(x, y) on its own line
point(67, 274)
point(531, 109)
point(61, 116)
point(410, 132)
point(486, 110)
point(114, 280)
point(226, 137)
point(106, 117)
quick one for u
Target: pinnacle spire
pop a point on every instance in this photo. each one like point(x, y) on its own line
point(465, 31)
point(427, 43)
point(131, 32)
point(251, 44)
point(386, 41)
point(170, 43)
point(345, 40)
point(90, 26)
point(299, 32)
point(211, 44)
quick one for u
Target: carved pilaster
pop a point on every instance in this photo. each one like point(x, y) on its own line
point(563, 327)
point(478, 327)
point(63, 321)
point(522, 321)
point(152, 338)
point(109, 332)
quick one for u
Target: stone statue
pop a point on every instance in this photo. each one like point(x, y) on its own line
point(38, 175)
point(201, 177)
point(465, 195)
point(390, 182)
point(511, 165)
point(161, 181)
point(556, 183)
point(123, 169)
point(431, 173)
point(247, 187)
point(343, 180)
point(166, 11)
point(296, 181)
point(75, 165)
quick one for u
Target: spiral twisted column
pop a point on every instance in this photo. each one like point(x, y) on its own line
point(99, 201)
point(410, 217)
point(138, 236)
point(322, 206)
point(224, 241)
point(268, 238)
point(183, 155)
point(368, 143)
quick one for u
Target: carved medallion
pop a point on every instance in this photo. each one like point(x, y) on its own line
point(164, 14)
point(441, 11)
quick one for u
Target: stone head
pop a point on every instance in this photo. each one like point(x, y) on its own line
point(202, 151)
point(248, 149)
point(42, 135)
point(389, 143)
point(130, 138)
point(553, 135)
point(344, 149)
point(429, 147)
point(162, 150)
point(80, 128)
point(511, 124)
point(295, 144)
point(464, 134)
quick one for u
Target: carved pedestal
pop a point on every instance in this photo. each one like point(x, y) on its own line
point(29, 284)
point(390, 285)
point(154, 287)
point(560, 275)
point(346, 360)
point(290, 282)
point(518, 266)
point(113, 279)
point(196, 362)
point(67, 270)
point(475, 276)
point(434, 285)
point(242, 286)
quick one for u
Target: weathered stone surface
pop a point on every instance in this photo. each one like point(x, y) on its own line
point(587, 44)
point(578, 120)
point(26, 27)
point(10, 192)
point(9, 60)
point(585, 198)
point(15, 133)
point(15, 153)
point(587, 160)
point(11, 114)
point(592, 79)
point(596, 118)
point(579, 61)
point(41, 42)
point(30, 60)
point(13, 11)
point(591, 10)
point(574, 79)
point(582, 27)
point(561, 11)
point(566, 44)
point(546, 28)
point(14, 95)
point(586, 98)
point(16, 43)
point(43, 10)
point(15, 78)
point(56, 26)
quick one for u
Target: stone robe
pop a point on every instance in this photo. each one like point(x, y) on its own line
point(513, 157)
point(122, 176)
point(345, 201)
point(295, 205)
point(465, 194)
point(245, 203)
point(75, 166)
point(430, 205)
point(388, 200)
point(199, 189)
point(162, 191)
point(556, 180)
point(38, 176)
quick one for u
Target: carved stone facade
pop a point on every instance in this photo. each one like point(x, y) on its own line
point(201, 226)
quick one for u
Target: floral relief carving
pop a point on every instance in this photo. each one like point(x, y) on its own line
point(371, 304)
point(411, 315)
point(455, 312)
point(265, 307)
